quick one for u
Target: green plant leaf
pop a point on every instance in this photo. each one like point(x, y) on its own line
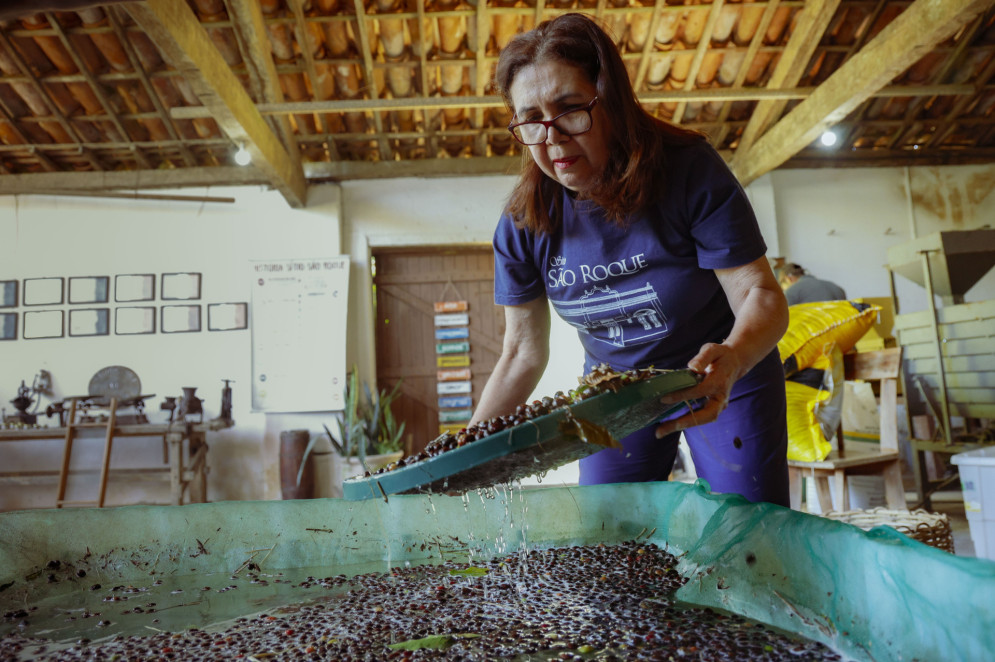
point(435, 642)
point(472, 571)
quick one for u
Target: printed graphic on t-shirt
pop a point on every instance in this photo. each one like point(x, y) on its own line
point(629, 317)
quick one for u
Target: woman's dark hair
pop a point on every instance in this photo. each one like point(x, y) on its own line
point(636, 163)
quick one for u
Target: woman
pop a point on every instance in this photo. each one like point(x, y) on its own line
point(640, 237)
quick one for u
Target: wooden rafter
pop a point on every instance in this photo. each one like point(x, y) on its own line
point(431, 137)
point(7, 116)
point(913, 33)
point(130, 180)
point(649, 46)
point(185, 44)
point(371, 81)
point(494, 101)
point(699, 55)
point(744, 67)
point(943, 114)
point(250, 31)
point(53, 108)
point(139, 155)
point(804, 39)
point(483, 28)
point(304, 39)
point(136, 65)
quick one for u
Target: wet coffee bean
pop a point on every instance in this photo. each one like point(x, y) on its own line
point(602, 602)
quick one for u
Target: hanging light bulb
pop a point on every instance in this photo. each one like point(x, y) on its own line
point(828, 138)
point(242, 156)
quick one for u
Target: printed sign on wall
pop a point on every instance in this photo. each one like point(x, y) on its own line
point(298, 322)
point(445, 388)
point(458, 347)
point(455, 401)
point(452, 333)
point(452, 349)
point(452, 360)
point(451, 306)
point(454, 375)
point(457, 319)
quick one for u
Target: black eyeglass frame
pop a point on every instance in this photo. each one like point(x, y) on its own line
point(552, 122)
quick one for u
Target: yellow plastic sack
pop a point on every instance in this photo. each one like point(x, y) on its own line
point(806, 443)
point(814, 327)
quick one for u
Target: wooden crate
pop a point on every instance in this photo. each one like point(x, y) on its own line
point(965, 337)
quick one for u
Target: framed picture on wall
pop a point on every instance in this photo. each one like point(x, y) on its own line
point(135, 320)
point(8, 326)
point(180, 319)
point(89, 322)
point(8, 294)
point(89, 289)
point(180, 287)
point(134, 287)
point(43, 324)
point(227, 316)
point(43, 291)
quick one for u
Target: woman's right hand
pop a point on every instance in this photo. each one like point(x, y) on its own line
point(524, 355)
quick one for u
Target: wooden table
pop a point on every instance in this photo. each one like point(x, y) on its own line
point(187, 470)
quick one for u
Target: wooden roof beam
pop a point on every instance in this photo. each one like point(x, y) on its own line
point(248, 24)
point(179, 35)
point(495, 101)
point(906, 39)
point(130, 180)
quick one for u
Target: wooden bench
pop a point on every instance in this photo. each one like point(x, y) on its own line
point(882, 366)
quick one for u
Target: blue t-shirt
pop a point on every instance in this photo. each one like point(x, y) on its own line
point(646, 294)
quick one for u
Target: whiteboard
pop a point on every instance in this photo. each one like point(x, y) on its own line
point(298, 323)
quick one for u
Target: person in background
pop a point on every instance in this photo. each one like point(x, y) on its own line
point(801, 287)
point(637, 234)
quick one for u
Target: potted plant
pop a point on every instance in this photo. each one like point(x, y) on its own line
point(369, 434)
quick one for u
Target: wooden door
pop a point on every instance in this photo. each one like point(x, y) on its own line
point(408, 282)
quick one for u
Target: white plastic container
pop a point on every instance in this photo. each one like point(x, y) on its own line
point(977, 479)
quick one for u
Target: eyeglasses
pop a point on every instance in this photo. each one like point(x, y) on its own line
point(571, 123)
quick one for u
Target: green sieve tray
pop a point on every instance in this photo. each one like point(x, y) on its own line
point(529, 448)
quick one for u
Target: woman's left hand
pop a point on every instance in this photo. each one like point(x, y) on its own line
point(720, 367)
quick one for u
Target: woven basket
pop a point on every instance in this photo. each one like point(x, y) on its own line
point(930, 528)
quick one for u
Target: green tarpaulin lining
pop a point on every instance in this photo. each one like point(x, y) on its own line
point(872, 596)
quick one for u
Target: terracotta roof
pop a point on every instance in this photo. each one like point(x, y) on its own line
point(118, 96)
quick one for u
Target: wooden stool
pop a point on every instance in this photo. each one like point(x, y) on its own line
point(883, 366)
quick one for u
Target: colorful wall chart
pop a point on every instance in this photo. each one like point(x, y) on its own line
point(452, 352)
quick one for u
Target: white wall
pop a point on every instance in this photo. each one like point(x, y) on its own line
point(44, 236)
point(837, 223)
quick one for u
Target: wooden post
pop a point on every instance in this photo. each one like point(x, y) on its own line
point(941, 371)
point(108, 442)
